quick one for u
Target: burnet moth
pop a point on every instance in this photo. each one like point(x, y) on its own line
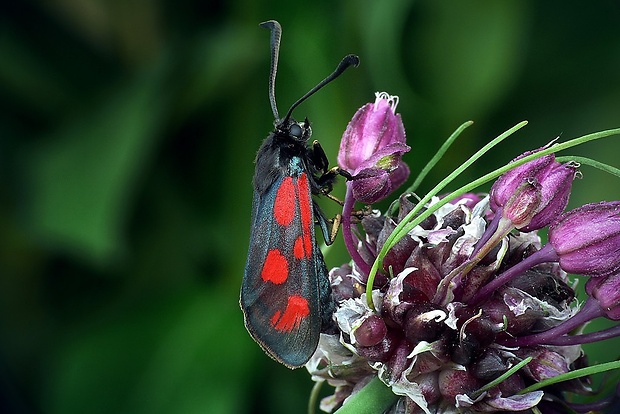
point(285, 294)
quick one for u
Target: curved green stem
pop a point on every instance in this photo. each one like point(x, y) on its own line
point(592, 163)
point(429, 166)
point(375, 397)
point(578, 373)
point(314, 396)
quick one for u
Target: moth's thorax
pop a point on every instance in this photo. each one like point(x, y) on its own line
point(283, 153)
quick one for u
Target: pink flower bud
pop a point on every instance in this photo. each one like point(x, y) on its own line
point(535, 192)
point(555, 185)
point(587, 239)
point(606, 290)
point(508, 183)
point(371, 150)
point(424, 322)
point(383, 350)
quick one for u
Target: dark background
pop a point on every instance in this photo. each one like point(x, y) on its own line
point(127, 136)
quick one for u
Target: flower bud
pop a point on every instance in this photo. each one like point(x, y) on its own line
point(508, 183)
point(399, 253)
point(535, 192)
point(399, 361)
point(429, 386)
point(370, 331)
point(371, 150)
point(545, 363)
point(382, 351)
point(476, 332)
point(344, 284)
point(555, 185)
point(400, 297)
point(425, 277)
point(606, 290)
point(512, 385)
point(500, 313)
point(587, 239)
point(453, 382)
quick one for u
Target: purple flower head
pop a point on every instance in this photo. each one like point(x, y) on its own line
point(461, 296)
point(371, 150)
point(587, 239)
point(539, 190)
point(425, 338)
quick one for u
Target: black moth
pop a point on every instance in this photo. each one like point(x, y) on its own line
point(285, 293)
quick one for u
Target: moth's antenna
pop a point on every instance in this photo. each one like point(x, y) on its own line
point(276, 34)
point(347, 61)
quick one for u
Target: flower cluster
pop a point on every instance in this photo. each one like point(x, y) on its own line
point(469, 292)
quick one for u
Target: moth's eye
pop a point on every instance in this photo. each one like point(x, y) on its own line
point(296, 131)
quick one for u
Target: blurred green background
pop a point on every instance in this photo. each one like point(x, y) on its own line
point(127, 136)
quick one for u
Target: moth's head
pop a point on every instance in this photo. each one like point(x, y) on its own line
point(296, 131)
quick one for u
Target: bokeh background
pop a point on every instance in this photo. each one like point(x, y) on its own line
point(128, 131)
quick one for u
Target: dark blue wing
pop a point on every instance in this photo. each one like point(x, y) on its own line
point(280, 292)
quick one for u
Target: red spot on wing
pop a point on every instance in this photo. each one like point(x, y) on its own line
point(284, 205)
point(296, 310)
point(305, 203)
point(303, 247)
point(303, 244)
point(275, 268)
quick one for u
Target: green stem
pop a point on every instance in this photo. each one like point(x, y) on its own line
point(314, 396)
point(429, 166)
point(375, 397)
point(501, 378)
point(592, 163)
point(578, 373)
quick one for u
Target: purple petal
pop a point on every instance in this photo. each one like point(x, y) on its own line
point(516, 402)
point(587, 239)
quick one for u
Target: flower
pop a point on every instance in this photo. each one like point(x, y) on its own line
point(428, 340)
point(587, 239)
point(535, 193)
point(463, 312)
point(371, 150)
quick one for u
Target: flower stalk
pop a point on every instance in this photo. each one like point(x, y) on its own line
point(349, 237)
